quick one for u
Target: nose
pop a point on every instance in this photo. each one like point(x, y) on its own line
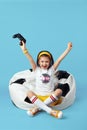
point(44, 63)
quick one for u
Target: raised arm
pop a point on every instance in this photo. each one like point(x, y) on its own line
point(27, 54)
point(62, 56)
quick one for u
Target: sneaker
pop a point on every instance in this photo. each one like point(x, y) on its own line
point(57, 113)
point(33, 111)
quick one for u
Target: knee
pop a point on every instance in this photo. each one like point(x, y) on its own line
point(58, 92)
point(30, 94)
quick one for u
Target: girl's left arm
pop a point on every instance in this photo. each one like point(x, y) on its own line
point(62, 56)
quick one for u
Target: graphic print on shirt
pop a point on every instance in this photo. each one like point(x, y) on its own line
point(45, 78)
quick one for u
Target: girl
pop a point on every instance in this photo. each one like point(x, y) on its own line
point(44, 93)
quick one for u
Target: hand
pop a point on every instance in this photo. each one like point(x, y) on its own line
point(23, 46)
point(70, 45)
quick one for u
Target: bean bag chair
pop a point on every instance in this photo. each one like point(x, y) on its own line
point(23, 81)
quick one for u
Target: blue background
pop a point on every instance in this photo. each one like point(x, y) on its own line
point(50, 25)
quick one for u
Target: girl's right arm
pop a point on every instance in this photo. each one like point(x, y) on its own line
point(29, 57)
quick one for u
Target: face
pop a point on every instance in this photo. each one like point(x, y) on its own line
point(44, 62)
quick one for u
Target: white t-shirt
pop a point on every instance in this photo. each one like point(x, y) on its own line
point(44, 81)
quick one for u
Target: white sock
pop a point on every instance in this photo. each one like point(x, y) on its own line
point(50, 99)
point(40, 104)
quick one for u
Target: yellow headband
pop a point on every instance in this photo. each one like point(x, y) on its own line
point(44, 53)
